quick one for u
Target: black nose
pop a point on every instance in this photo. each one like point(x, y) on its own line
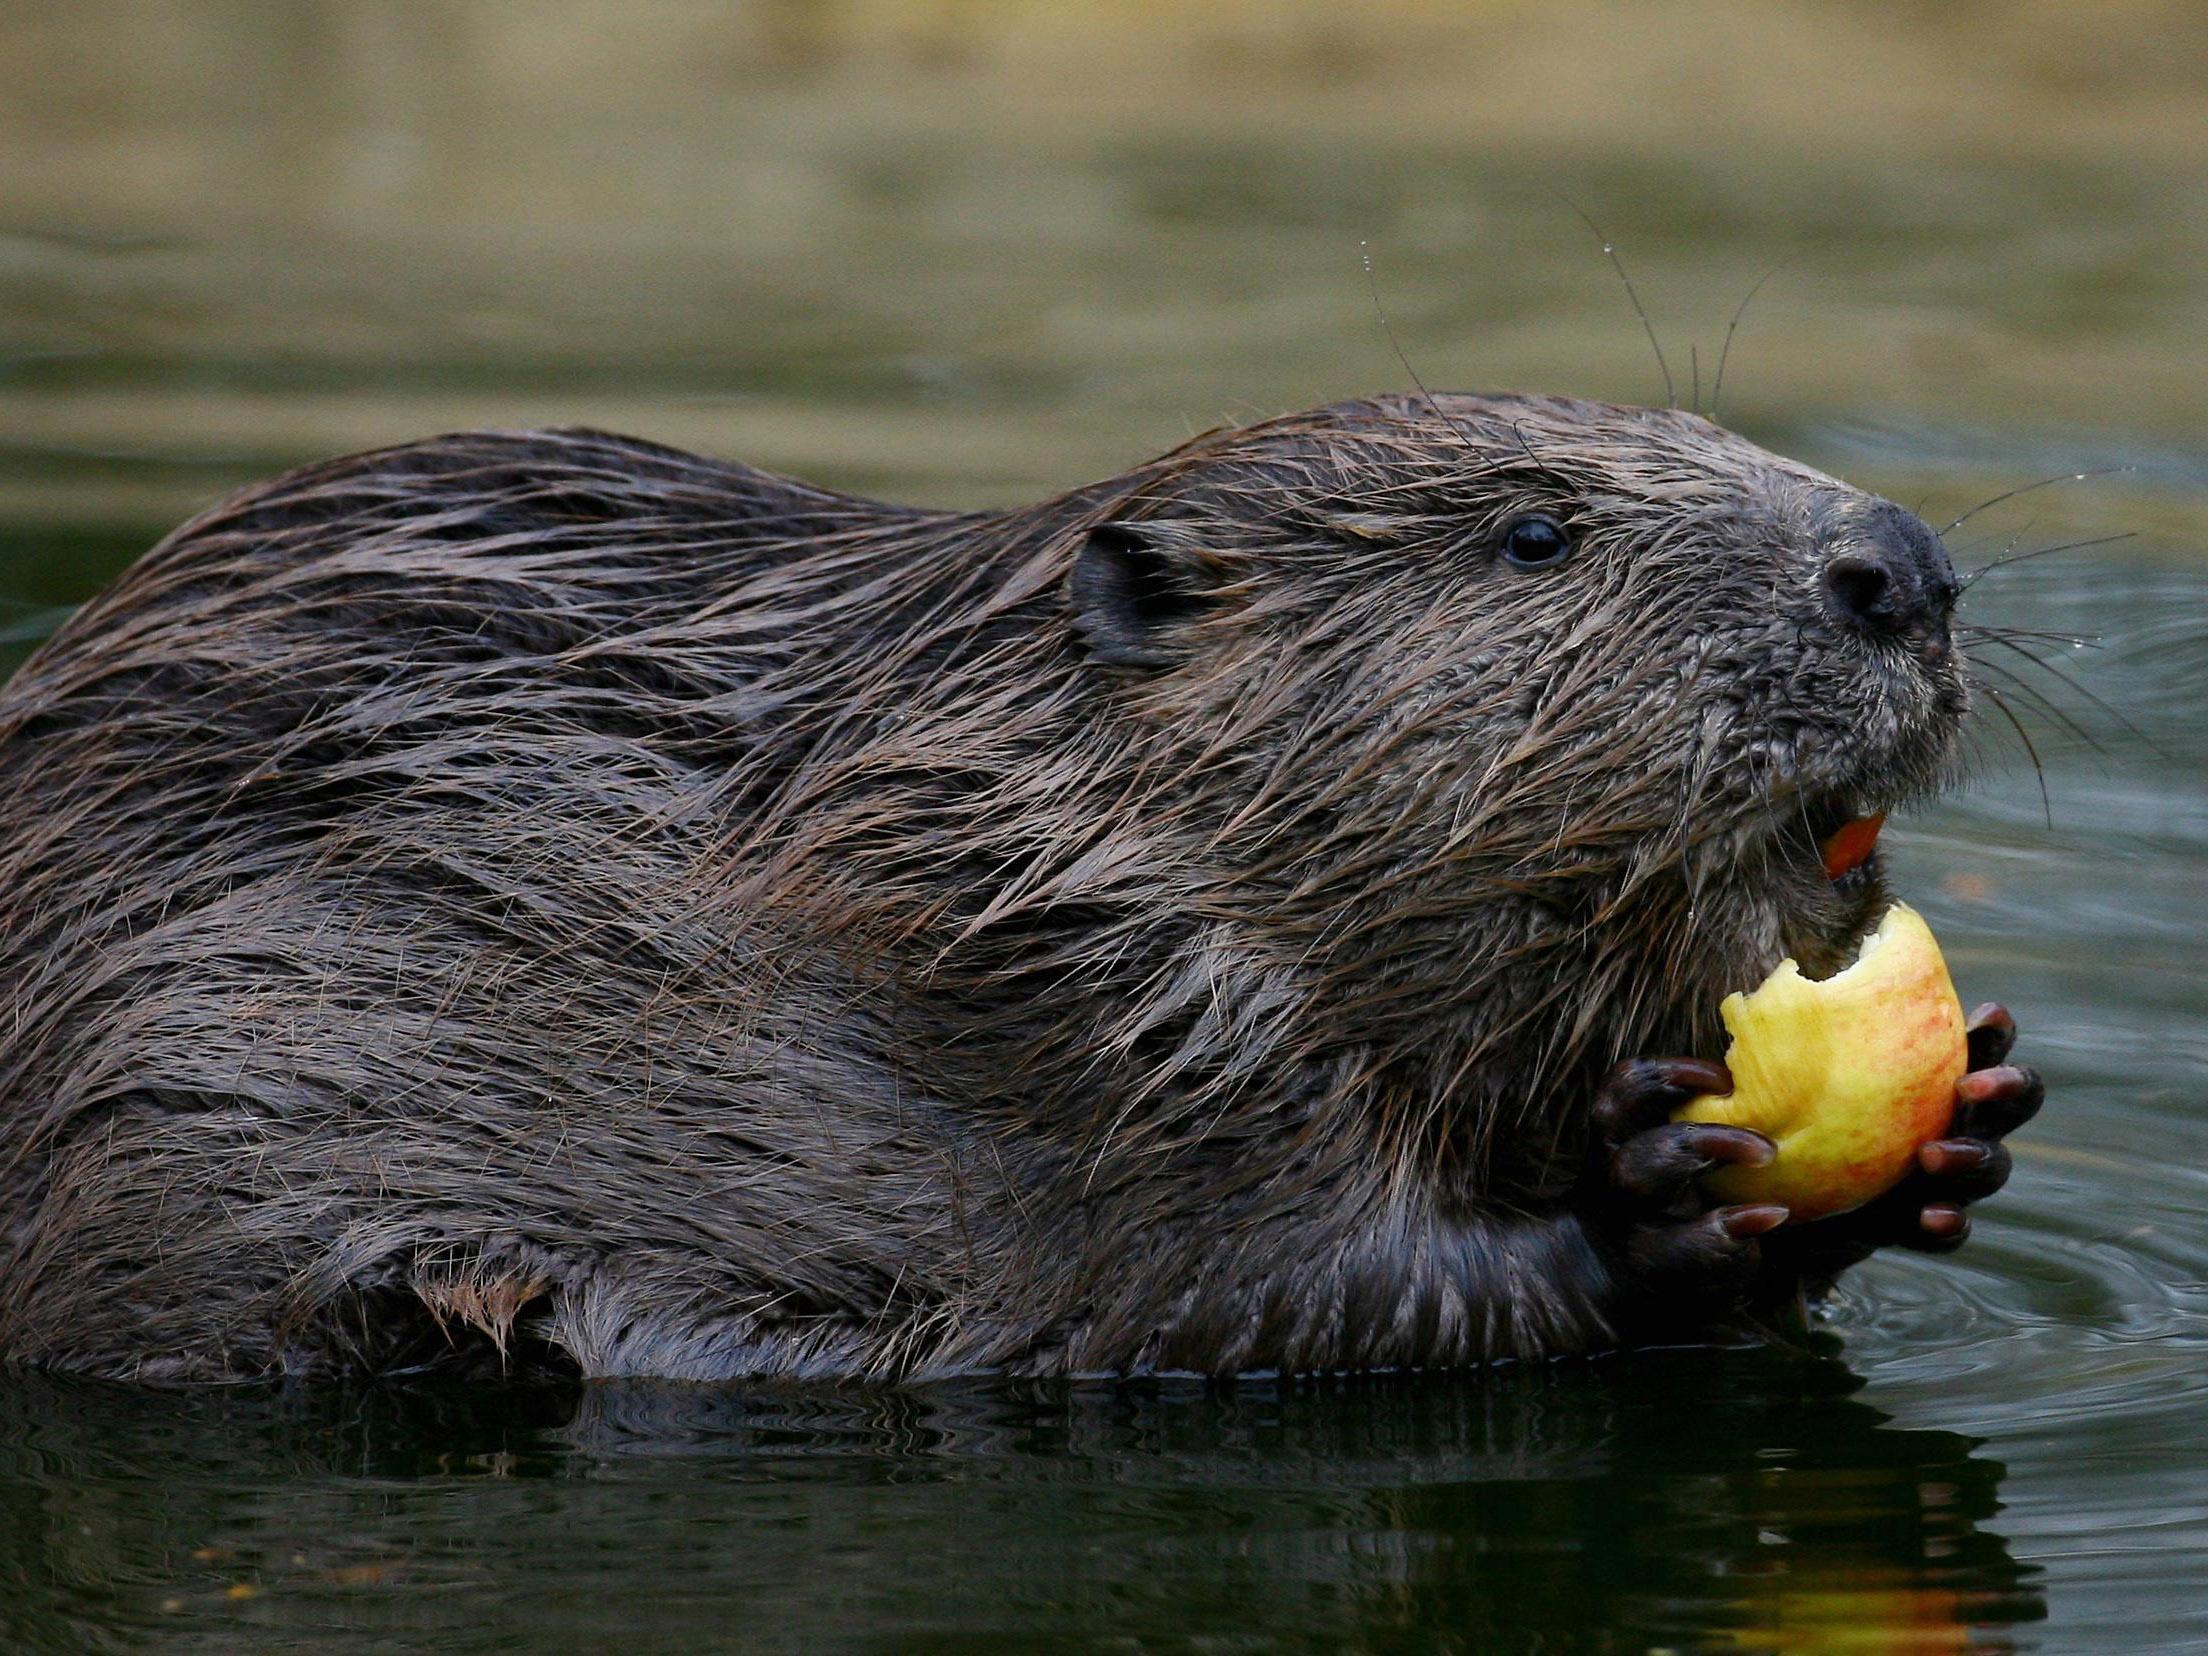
point(1894, 577)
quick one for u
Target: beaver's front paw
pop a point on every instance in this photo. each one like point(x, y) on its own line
point(1925, 1211)
point(1678, 1260)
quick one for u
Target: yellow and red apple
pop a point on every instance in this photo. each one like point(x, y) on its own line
point(1847, 1076)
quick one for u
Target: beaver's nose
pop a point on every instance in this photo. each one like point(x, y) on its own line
point(1894, 578)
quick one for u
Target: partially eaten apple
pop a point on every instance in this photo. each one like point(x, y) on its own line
point(1848, 1077)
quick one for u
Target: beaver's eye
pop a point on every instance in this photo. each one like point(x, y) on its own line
point(1535, 542)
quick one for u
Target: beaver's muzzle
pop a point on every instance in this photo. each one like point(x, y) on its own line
point(1894, 579)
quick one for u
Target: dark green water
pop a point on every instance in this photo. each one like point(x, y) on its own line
point(972, 253)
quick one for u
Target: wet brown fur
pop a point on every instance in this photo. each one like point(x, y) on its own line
point(701, 925)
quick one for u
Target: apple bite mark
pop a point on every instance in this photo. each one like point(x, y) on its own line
point(1848, 1077)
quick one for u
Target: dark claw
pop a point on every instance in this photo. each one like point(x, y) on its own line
point(1994, 1102)
point(1707, 1255)
point(1641, 1187)
point(1990, 1032)
point(1968, 1170)
point(1753, 1220)
point(1940, 1228)
point(1642, 1092)
point(1660, 1165)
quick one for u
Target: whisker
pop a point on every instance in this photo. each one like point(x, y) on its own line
point(2040, 700)
point(2046, 804)
point(2028, 488)
point(2038, 635)
point(1717, 388)
point(2008, 543)
point(1372, 285)
point(1518, 431)
point(2009, 558)
point(2070, 683)
point(1671, 391)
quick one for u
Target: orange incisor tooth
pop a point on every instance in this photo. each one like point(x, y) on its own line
point(1851, 846)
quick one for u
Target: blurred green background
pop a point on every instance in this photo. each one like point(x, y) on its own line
point(972, 251)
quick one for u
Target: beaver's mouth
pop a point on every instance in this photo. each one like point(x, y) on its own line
point(1896, 745)
point(1829, 846)
point(1844, 834)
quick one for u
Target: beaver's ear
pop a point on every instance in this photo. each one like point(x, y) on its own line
point(1131, 589)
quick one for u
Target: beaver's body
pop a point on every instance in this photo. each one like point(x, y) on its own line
point(697, 925)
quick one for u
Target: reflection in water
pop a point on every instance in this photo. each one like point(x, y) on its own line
point(1686, 1497)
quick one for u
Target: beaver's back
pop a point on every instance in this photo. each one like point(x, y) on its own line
point(358, 948)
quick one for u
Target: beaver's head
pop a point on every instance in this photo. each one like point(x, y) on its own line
point(1579, 714)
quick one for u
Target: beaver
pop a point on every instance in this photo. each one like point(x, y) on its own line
point(549, 898)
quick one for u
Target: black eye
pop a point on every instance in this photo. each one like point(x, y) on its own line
point(1535, 542)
